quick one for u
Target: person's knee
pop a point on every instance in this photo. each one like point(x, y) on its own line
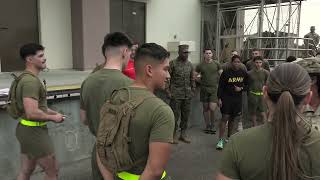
point(52, 170)
point(27, 166)
point(212, 106)
point(28, 170)
point(50, 166)
point(205, 107)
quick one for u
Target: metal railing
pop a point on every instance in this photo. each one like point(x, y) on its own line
point(285, 49)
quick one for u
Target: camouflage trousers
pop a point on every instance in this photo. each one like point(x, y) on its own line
point(181, 109)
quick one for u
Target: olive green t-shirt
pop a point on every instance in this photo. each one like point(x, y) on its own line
point(98, 67)
point(209, 74)
point(257, 79)
point(31, 87)
point(96, 90)
point(153, 122)
point(247, 155)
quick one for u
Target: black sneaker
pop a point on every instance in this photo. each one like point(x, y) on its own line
point(212, 131)
point(207, 130)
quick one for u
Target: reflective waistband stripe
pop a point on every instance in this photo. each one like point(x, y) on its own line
point(32, 123)
point(128, 176)
point(257, 93)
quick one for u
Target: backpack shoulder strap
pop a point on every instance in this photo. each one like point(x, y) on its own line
point(133, 103)
point(117, 90)
point(18, 78)
point(139, 100)
point(16, 81)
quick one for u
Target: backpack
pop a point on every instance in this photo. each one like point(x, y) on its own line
point(113, 138)
point(12, 106)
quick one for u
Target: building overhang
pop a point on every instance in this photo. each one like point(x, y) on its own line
point(230, 3)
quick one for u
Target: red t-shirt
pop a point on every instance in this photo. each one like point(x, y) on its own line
point(129, 70)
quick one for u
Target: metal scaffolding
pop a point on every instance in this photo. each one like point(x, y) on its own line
point(275, 25)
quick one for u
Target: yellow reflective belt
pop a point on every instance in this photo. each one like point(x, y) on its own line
point(32, 123)
point(257, 93)
point(128, 176)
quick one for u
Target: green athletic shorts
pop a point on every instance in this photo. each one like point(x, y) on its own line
point(35, 142)
point(256, 104)
point(208, 95)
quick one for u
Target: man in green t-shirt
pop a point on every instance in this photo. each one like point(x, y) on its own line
point(98, 86)
point(250, 64)
point(208, 71)
point(257, 79)
point(33, 112)
point(151, 128)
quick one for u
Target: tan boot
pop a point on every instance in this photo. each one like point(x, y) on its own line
point(184, 138)
point(175, 138)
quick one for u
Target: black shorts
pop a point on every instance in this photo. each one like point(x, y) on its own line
point(232, 106)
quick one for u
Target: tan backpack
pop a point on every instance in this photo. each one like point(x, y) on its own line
point(12, 107)
point(113, 138)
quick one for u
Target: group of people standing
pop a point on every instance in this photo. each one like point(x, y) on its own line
point(285, 147)
point(225, 86)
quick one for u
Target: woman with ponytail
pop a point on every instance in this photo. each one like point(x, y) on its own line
point(286, 147)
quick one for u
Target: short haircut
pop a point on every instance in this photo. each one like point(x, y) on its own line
point(207, 49)
point(150, 52)
point(115, 39)
point(291, 59)
point(255, 49)
point(235, 57)
point(30, 49)
point(258, 58)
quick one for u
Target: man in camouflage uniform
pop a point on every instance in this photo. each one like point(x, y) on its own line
point(182, 86)
point(312, 110)
point(312, 35)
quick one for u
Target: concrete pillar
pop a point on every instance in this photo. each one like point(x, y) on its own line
point(90, 23)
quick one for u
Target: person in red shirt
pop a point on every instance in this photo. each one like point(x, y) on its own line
point(129, 70)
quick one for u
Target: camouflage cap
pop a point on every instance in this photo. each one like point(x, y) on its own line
point(312, 64)
point(184, 47)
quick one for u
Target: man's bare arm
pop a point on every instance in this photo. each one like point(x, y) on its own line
point(159, 154)
point(107, 175)
point(83, 117)
point(220, 176)
point(51, 112)
point(32, 111)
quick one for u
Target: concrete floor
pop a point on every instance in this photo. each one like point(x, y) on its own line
point(196, 161)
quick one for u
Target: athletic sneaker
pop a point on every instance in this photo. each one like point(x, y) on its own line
point(220, 144)
point(240, 126)
point(212, 131)
point(207, 130)
point(226, 140)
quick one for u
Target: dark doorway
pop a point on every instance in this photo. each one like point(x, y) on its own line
point(18, 25)
point(129, 17)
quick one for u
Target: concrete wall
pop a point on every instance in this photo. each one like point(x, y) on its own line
point(72, 140)
point(90, 23)
point(55, 32)
point(168, 18)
